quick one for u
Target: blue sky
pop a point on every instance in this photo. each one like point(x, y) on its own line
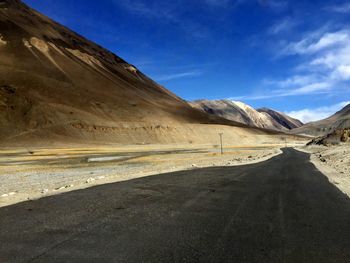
point(293, 56)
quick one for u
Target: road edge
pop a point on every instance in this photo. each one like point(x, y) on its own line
point(333, 176)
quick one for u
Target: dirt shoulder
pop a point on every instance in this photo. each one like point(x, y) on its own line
point(334, 162)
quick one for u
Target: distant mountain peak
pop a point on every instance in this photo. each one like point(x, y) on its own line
point(244, 113)
point(338, 121)
point(345, 110)
point(282, 118)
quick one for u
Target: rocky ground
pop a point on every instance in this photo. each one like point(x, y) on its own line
point(28, 174)
point(334, 162)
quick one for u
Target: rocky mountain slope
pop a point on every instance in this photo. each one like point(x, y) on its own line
point(56, 85)
point(243, 113)
point(333, 138)
point(283, 119)
point(337, 122)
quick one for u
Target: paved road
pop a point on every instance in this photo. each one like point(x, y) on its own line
point(281, 210)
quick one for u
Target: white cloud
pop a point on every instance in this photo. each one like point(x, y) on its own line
point(336, 62)
point(318, 87)
point(343, 71)
point(179, 75)
point(324, 70)
point(344, 8)
point(313, 43)
point(309, 115)
point(282, 26)
point(294, 86)
point(252, 97)
point(162, 10)
point(297, 80)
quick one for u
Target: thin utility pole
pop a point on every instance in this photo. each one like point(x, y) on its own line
point(222, 149)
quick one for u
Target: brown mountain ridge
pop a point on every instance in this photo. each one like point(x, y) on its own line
point(55, 85)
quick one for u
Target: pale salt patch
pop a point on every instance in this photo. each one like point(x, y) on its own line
point(105, 159)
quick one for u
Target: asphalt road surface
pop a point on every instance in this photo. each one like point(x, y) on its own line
point(281, 210)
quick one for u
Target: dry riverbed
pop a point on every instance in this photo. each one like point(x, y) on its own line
point(28, 174)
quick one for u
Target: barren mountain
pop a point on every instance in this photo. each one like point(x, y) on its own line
point(333, 138)
point(243, 113)
point(338, 121)
point(56, 85)
point(283, 119)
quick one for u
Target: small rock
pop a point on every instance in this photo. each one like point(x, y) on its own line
point(90, 180)
point(194, 165)
point(12, 193)
point(59, 188)
point(5, 195)
point(44, 191)
point(100, 177)
point(69, 186)
point(322, 159)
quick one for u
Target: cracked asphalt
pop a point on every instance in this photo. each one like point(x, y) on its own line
point(280, 210)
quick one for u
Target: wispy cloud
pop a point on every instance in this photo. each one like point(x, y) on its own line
point(324, 67)
point(313, 88)
point(276, 5)
point(327, 57)
point(283, 25)
point(313, 43)
point(342, 8)
point(147, 9)
point(168, 12)
point(308, 115)
point(297, 80)
point(178, 75)
point(220, 3)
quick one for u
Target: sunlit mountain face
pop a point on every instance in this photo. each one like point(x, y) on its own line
point(290, 56)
